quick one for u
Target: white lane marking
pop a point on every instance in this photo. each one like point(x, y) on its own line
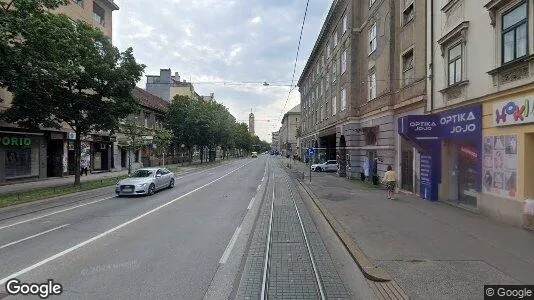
point(92, 202)
point(32, 236)
point(53, 213)
point(251, 202)
point(259, 187)
point(230, 246)
point(103, 234)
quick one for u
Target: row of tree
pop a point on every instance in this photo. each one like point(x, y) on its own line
point(208, 125)
point(67, 73)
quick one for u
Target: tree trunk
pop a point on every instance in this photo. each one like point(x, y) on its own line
point(77, 158)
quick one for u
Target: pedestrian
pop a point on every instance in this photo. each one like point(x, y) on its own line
point(83, 167)
point(390, 180)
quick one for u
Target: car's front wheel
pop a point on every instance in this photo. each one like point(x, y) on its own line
point(151, 190)
point(171, 184)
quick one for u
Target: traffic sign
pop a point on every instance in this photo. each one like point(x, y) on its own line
point(311, 151)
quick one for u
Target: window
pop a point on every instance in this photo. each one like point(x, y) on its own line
point(455, 64)
point(371, 2)
point(322, 113)
point(372, 86)
point(334, 106)
point(334, 72)
point(343, 100)
point(321, 84)
point(343, 62)
point(326, 110)
point(408, 13)
point(328, 50)
point(407, 68)
point(514, 33)
point(79, 2)
point(335, 38)
point(99, 14)
point(327, 80)
point(345, 24)
point(372, 38)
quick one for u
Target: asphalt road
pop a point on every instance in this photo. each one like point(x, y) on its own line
point(165, 246)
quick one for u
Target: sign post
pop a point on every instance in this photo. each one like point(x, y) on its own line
point(311, 152)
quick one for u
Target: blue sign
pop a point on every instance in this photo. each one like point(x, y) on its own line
point(426, 133)
point(311, 152)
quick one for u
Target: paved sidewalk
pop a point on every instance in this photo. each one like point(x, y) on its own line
point(432, 249)
point(59, 181)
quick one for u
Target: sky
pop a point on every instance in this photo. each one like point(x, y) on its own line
point(209, 42)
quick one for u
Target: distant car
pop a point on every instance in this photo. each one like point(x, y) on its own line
point(145, 181)
point(328, 166)
point(254, 154)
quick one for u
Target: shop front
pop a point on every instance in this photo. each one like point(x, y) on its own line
point(449, 144)
point(22, 156)
point(508, 151)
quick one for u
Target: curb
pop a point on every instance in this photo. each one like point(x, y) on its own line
point(367, 266)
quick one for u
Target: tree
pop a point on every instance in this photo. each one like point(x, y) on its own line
point(163, 139)
point(135, 136)
point(64, 72)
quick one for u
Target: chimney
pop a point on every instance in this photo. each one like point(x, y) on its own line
point(177, 76)
point(165, 75)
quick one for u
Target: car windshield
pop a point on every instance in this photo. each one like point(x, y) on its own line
point(142, 173)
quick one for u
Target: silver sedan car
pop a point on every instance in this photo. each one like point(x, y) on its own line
point(145, 181)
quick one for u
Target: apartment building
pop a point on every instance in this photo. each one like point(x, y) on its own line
point(373, 72)
point(287, 134)
point(479, 131)
point(275, 141)
point(38, 154)
point(167, 86)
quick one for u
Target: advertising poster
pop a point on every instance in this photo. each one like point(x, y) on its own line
point(500, 165)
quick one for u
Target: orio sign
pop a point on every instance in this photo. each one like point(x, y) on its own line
point(14, 141)
point(513, 112)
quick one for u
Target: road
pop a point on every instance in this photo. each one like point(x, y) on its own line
point(191, 242)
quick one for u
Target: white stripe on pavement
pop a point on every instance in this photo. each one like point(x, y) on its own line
point(103, 234)
point(230, 246)
point(32, 236)
point(56, 212)
point(251, 201)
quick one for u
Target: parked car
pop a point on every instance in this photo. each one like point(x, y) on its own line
point(145, 181)
point(328, 166)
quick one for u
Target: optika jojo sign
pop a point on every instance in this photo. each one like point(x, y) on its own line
point(423, 126)
point(459, 123)
point(512, 112)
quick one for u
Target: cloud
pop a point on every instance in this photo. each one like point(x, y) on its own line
point(243, 42)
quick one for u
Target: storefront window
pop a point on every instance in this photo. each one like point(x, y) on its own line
point(21, 162)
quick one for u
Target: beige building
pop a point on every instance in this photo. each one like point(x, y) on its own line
point(275, 141)
point(167, 86)
point(287, 134)
point(481, 90)
point(95, 12)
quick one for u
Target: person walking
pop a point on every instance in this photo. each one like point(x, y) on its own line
point(390, 180)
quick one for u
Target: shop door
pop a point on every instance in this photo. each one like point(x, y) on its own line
point(407, 170)
point(467, 175)
point(54, 158)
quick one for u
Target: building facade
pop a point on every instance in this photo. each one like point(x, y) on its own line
point(477, 136)
point(288, 132)
point(274, 141)
point(362, 73)
point(166, 86)
point(38, 154)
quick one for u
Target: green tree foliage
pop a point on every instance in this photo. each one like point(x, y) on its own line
point(135, 134)
point(163, 139)
point(65, 72)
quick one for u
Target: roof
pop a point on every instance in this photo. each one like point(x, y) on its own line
point(146, 99)
point(294, 111)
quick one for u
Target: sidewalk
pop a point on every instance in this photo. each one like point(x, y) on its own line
point(432, 249)
point(59, 181)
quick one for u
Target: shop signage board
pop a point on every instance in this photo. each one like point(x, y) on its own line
point(15, 141)
point(427, 131)
point(513, 112)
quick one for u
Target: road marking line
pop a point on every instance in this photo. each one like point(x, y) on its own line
point(251, 202)
point(230, 246)
point(56, 212)
point(32, 236)
point(75, 247)
point(259, 187)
